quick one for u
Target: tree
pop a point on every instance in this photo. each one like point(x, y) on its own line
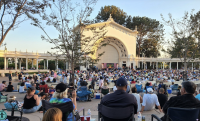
point(184, 43)
point(71, 22)
point(150, 35)
point(118, 15)
point(17, 10)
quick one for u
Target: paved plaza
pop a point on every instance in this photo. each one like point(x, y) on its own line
point(87, 105)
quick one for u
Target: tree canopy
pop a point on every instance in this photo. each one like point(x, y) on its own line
point(150, 35)
point(16, 10)
point(118, 15)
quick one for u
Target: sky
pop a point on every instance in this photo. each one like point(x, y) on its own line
point(28, 37)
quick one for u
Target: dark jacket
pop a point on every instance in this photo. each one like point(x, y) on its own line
point(183, 101)
point(120, 99)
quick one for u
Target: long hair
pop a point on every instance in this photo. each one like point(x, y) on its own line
point(60, 95)
point(53, 114)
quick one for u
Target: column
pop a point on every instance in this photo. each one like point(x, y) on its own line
point(37, 63)
point(66, 65)
point(5, 63)
point(170, 65)
point(177, 65)
point(156, 65)
point(153, 65)
point(20, 63)
point(142, 64)
point(15, 63)
point(192, 67)
point(26, 63)
point(163, 65)
point(32, 63)
point(150, 63)
point(138, 64)
point(47, 64)
point(44, 63)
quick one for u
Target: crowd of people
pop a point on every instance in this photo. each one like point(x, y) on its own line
point(125, 92)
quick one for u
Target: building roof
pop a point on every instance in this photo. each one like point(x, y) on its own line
point(111, 21)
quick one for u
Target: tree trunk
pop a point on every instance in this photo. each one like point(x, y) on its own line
point(185, 70)
point(72, 72)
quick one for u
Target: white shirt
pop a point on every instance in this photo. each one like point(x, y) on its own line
point(100, 82)
point(137, 96)
point(149, 101)
point(114, 88)
point(21, 89)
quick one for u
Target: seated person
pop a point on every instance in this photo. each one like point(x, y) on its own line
point(186, 100)
point(11, 103)
point(60, 96)
point(92, 91)
point(3, 86)
point(138, 98)
point(32, 102)
point(52, 114)
point(120, 98)
point(162, 98)
point(43, 96)
point(114, 88)
point(10, 88)
point(149, 101)
point(132, 82)
point(22, 87)
point(51, 91)
point(171, 86)
point(44, 87)
point(82, 91)
point(36, 91)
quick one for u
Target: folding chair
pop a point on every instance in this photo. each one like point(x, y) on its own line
point(115, 114)
point(13, 109)
point(180, 114)
point(66, 108)
point(139, 88)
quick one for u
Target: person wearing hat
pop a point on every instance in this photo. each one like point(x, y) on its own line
point(32, 102)
point(120, 98)
point(11, 103)
point(149, 101)
point(60, 96)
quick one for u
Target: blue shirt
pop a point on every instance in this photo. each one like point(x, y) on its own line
point(198, 96)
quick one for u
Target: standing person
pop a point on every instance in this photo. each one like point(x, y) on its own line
point(10, 76)
point(93, 82)
point(20, 76)
point(100, 83)
point(32, 102)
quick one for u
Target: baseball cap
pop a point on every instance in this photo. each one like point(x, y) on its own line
point(121, 82)
point(61, 88)
point(149, 90)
